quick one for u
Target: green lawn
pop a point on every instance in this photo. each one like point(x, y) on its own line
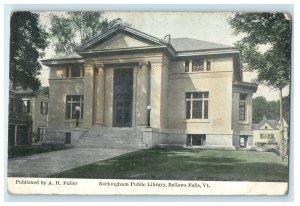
point(21, 151)
point(187, 164)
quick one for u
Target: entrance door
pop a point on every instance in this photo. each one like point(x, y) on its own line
point(122, 106)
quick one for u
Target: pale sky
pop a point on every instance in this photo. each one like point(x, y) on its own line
point(207, 26)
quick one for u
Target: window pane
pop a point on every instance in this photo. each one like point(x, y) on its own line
point(188, 95)
point(74, 112)
point(198, 65)
point(197, 94)
point(81, 111)
point(76, 98)
point(128, 104)
point(242, 111)
point(197, 110)
point(189, 140)
point(119, 104)
point(75, 71)
point(127, 115)
point(188, 109)
point(119, 115)
point(68, 110)
point(205, 94)
point(198, 139)
point(186, 66)
point(206, 109)
point(208, 65)
point(26, 106)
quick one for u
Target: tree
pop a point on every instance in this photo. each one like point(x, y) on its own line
point(74, 28)
point(261, 107)
point(27, 43)
point(270, 32)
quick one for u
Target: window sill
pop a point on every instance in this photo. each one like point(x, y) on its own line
point(74, 78)
point(197, 72)
point(73, 120)
point(243, 122)
point(196, 121)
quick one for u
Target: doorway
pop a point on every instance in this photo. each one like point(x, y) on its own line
point(122, 98)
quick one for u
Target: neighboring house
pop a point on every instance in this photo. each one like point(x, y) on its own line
point(195, 89)
point(268, 132)
point(19, 123)
point(35, 104)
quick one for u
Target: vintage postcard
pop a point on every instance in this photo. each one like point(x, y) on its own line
point(158, 103)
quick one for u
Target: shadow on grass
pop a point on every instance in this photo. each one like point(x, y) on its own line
point(185, 164)
point(26, 150)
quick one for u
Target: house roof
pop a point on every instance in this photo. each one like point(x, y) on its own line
point(28, 91)
point(68, 56)
point(245, 87)
point(272, 123)
point(170, 45)
point(189, 44)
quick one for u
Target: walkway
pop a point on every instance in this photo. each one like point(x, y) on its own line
point(43, 165)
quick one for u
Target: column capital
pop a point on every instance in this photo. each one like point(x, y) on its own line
point(97, 66)
point(88, 66)
point(142, 63)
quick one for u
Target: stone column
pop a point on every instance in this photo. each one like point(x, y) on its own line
point(158, 97)
point(88, 95)
point(142, 95)
point(135, 100)
point(155, 99)
point(99, 95)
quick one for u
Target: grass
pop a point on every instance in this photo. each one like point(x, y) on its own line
point(187, 164)
point(21, 151)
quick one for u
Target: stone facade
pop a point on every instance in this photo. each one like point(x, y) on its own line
point(194, 92)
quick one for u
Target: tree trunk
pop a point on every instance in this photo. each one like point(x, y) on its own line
point(282, 146)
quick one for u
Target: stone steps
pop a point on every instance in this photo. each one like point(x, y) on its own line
point(111, 137)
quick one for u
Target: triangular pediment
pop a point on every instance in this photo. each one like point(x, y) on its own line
point(266, 126)
point(120, 38)
point(122, 41)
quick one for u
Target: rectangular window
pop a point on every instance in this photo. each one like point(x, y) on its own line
point(196, 140)
point(242, 107)
point(74, 70)
point(208, 65)
point(196, 105)
point(73, 101)
point(197, 65)
point(187, 66)
point(270, 136)
point(243, 141)
point(26, 106)
point(41, 133)
point(44, 107)
point(263, 136)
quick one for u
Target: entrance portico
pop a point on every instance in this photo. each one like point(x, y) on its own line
point(117, 95)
